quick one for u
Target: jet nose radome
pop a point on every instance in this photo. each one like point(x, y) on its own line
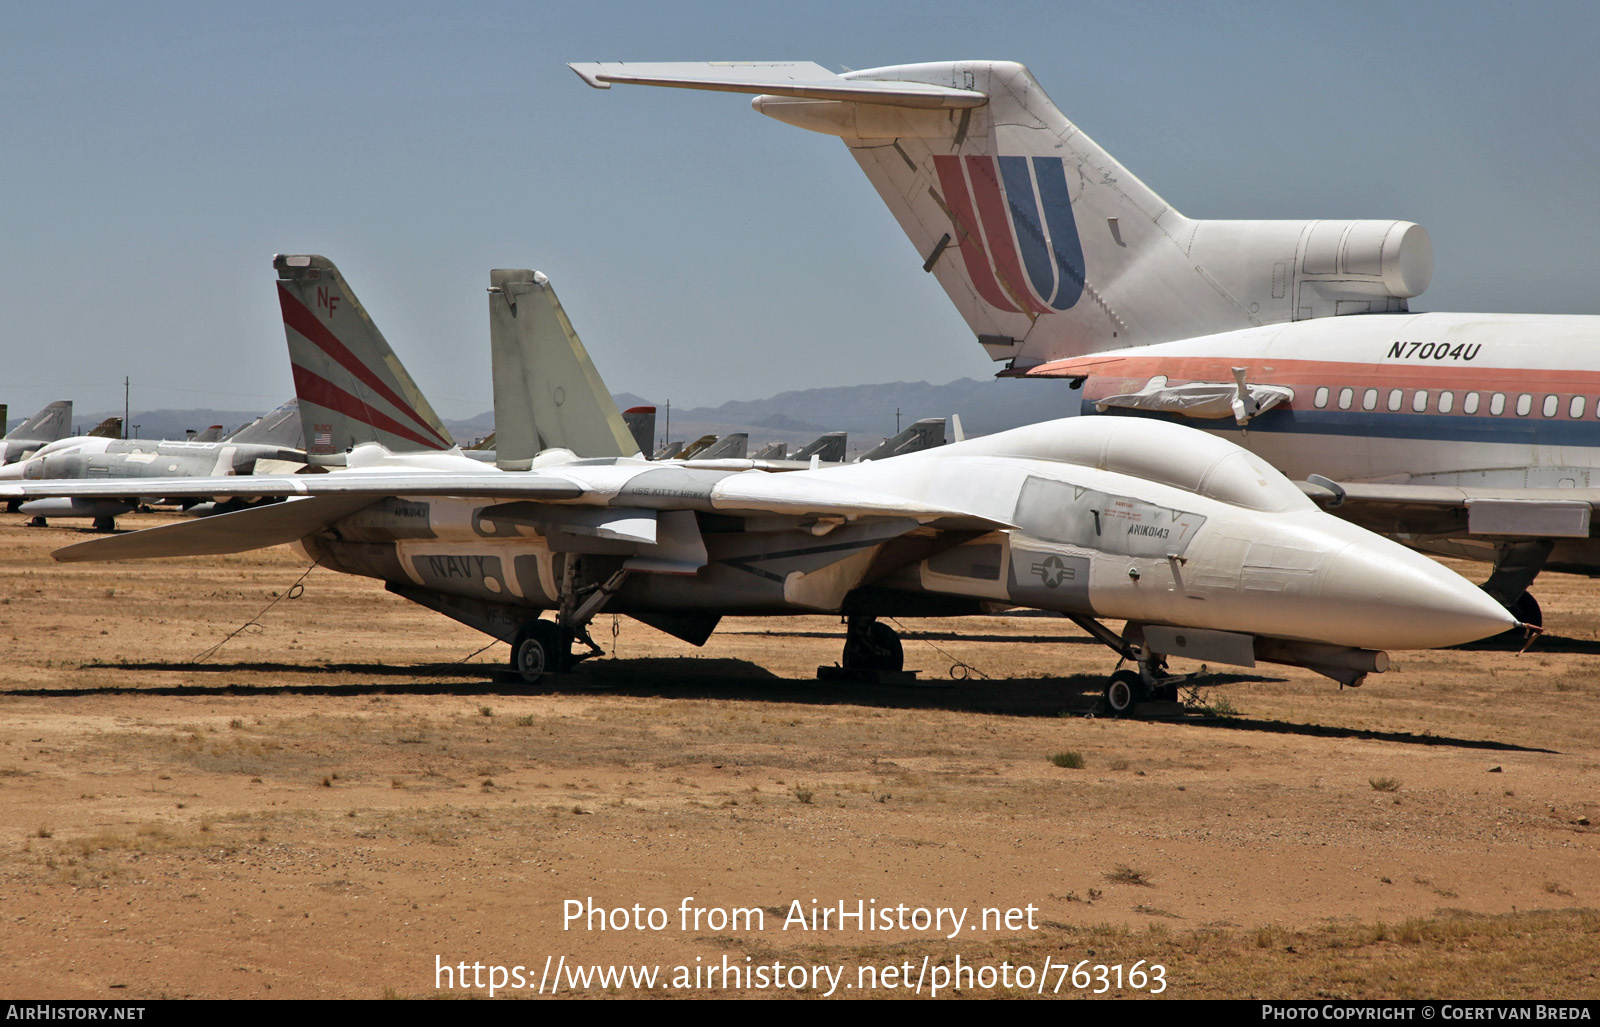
point(1393, 598)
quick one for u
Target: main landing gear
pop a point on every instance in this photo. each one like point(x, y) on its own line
point(543, 647)
point(872, 655)
point(871, 645)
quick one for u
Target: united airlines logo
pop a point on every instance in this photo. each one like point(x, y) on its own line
point(1018, 237)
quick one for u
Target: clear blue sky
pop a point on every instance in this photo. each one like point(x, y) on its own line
point(156, 155)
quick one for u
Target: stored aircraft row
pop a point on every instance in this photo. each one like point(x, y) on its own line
point(1200, 546)
point(1474, 435)
point(269, 443)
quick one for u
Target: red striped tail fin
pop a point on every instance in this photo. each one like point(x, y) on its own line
point(351, 386)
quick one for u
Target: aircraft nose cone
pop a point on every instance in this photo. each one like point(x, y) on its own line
point(1394, 598)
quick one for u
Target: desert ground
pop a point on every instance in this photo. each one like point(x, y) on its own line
point(352, 792)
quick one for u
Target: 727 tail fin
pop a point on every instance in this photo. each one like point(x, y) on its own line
point(547, 392)
point(1047, 245)
point(351, 386)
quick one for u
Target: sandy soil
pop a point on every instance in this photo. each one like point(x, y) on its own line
point(339, 800)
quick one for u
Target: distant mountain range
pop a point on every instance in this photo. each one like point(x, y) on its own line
point(867, 412)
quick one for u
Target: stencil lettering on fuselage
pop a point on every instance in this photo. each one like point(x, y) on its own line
point(389, 520)
point(1056, 511)
point(466, 574)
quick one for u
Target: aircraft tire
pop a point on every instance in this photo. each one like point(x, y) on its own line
point(1526, 609)
point(537, 650)
point(1125, 690)
point(877, 648)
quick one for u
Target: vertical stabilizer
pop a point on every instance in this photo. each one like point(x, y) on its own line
point(1046, 244)
point(641, 423)
point(279, 427)
point(52, 423)
point(732, 446)
point(828, 449)
point(110, 428)
point(352, 388)
point(927, 433)
point(547, 393)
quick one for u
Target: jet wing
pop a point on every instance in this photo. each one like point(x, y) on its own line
point(372, 485)
point(1451, 511)
point(751, 491)
point(803, 79)
point(319, 500)
point(236, 532)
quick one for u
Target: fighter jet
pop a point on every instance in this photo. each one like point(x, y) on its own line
point(1471, 435)
point(1203, 549)
point(268, 443)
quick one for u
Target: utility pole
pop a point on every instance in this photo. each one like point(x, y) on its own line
point(897, 420)
point(668, 437)
point(125, 417)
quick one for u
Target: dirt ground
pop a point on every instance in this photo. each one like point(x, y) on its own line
point(348, 796)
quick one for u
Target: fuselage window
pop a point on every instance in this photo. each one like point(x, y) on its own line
point(1551, 405)
point(1322, 397)
point(1369, 400)
point(1470, 404)
point(1395, 395)
point(1575, 408)
point(1419, 402)
point(1346, 397)
point(1524, 404)
point(1447, 402)
point(1497, 404)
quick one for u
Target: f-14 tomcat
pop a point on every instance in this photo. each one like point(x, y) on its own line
point(1202, 548)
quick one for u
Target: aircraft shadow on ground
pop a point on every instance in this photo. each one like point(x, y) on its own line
point(1541, 644)
point(726, 679)
point(912, 637)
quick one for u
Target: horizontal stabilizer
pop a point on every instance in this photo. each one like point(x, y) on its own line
point(802, 79)
point(238, 532)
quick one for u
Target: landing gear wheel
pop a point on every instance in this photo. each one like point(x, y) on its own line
point(873, 647)
point(540, 648)
point(1526, 609)
point(1124, 691)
